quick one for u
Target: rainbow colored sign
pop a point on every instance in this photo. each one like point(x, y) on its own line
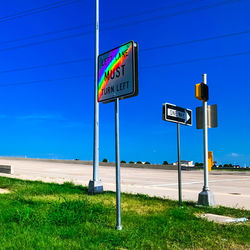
point(117, 73)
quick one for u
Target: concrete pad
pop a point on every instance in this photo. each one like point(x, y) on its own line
point(218, 218)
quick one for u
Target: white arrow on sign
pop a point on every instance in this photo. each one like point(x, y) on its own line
point(187, 116)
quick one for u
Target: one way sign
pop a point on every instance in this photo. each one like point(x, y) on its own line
point(172, 113)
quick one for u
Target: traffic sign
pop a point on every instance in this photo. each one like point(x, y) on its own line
point(212, 120)
point(172, 113)
point(118, 73)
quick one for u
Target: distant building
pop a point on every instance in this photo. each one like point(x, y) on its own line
point(185, 163)
point(236, 166)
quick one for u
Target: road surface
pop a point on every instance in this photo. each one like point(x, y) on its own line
point(230, 189)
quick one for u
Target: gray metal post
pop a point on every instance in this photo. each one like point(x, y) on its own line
point(95, 185)
point(117, 159)
point(206, 197)
point(205, 139)
point(179, 163)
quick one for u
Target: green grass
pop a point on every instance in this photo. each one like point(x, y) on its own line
point(51, 216)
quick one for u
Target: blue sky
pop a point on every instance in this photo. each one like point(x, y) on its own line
point(42, 115)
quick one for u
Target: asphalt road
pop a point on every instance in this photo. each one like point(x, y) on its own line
point(230, 189)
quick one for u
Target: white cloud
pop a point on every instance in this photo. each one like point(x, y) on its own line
point(235, 155)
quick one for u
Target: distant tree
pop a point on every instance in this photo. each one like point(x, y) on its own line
point(105, 160)
point(139, 162)
point(76, 159)
point(165, 163)
point(220, 166)
point(226, 166)
point(123, 161)
point(147, 162)
point(230, 165)
point(131, 162)
point(198, 164)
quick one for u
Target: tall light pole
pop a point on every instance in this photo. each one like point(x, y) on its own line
point(95, 185)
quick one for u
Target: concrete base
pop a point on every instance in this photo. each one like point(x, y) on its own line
point(217, 218)
point(6, 169)
point(95, 187)
point(206, 198)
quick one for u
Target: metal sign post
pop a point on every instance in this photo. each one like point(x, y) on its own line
point(206, 197)
point(179, 163)
point(118, 79)
point(95, 185)
point(205, 142)
point(117, 165)
point(172, 113)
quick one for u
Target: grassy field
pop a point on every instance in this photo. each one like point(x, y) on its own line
point(51, 216)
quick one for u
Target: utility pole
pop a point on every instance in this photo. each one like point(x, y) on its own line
point(206, 197)
point(95, 185)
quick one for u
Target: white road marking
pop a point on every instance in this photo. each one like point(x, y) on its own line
point(200, 182)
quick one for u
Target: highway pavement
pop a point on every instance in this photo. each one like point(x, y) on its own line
point(230, 189)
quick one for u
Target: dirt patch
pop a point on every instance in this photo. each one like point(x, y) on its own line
point(4, 191)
